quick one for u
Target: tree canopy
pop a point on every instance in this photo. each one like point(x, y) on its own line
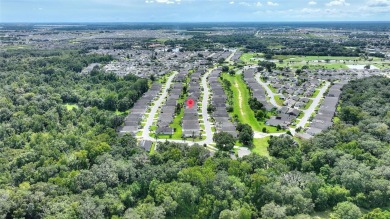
point(60, 155)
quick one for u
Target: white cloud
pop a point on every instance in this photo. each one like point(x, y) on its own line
point(255, 4)
point(337, 3)
point(311, 10)
point(312, 3)
point(245, 4)
point(231, 3)
point(379, 3)
point(272, 3)
point(163, 1)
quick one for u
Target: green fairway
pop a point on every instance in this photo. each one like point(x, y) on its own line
point(313, 66)
point(261, 146)
point(313, 58)
point(241, 107)
point(246, 57)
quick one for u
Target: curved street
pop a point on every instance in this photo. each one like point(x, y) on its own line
point(270, 94)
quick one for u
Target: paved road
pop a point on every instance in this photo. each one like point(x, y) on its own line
point(313, 106)
point(154, 109)
point(270, 94)
point(228, 59)
point(205, 115)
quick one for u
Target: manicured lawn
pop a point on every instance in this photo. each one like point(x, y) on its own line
point(314, 66)
point(279, 101)
point(71, 106)
point(246, 57)
point(245, 115)
point(312, 58)
point(308, 104)
point(261, 146)
point(238, 143)
point(153, 148)
point(176, 124)
point(272, 89)
point(315, 94)
point(164, 78)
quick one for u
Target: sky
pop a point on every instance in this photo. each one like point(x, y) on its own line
point(193, 10)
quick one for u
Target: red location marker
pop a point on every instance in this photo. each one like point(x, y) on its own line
point(190, 103)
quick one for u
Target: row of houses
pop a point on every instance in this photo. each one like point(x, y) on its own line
point(221, 55)
point(169, 109)
point(190, 121)
point(295, 91)
point(236, 57)
point(285, 117)
point(133, 119)
point(218, 100)
point(257, 90)
point(324, 117)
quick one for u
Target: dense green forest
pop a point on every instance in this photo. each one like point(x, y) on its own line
point(69, 162)
point(307, 47)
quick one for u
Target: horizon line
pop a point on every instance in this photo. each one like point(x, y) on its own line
point(183, 22)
